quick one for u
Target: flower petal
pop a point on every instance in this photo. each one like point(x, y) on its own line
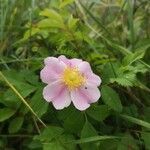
point(70, 62)
point(64, 59)
point(62, 100)
point(75, 62)
point(52, 70)
point(93, 79)
point(79, 100)
point(48, 75)
point(85, 68)
point(49, 60)
point(91, 93)
point(52, 90)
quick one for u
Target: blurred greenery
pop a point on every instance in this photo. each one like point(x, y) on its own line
point(113, 36)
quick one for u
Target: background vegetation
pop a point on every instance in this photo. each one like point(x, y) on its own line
point(113, 35)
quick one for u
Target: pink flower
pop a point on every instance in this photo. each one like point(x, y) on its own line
point(69, 80)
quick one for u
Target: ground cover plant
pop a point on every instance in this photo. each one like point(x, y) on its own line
point(113, 37)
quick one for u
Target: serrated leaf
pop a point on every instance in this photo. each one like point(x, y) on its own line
point(111, 98)
point(6, 113)
point(125, 79)
point(122, 81)
point(72, 22)
point(15, 124)
point(130, 58)
point(29, 33)
point(98, 113)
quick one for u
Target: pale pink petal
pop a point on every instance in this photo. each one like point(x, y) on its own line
point(79, 100)
point(75, 62)
point(52, 70)
point(48, 75)
point(52, 90)
point(70, 62)
point(93, 79)
point(55, 64)
point(91, 93)
point(62, 100)
point(49, 60)
point(85, 68)
point(64, 59)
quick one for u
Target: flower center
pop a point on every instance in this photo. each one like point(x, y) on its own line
point(73, 78)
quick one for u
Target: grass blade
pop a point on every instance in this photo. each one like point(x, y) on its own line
point(93, 139)
point(136, 121)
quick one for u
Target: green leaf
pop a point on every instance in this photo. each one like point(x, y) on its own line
point(29, 33)
point(88, 131)
point(53, 15)
point(15, 125)
point(35, 144)
point(53, 146)
point(110, 144)
point(65, 3)
point(9, 99)
point(61, 143)
point(25, 89)
point(50, 133)
point(111, 98)
point(6, 113)
point(20, 84)
point(146, 137)
point(127, 79)
point(38, 104)
point(127, 142)
point(73, 120)
point(130, 58)
point(98, 113)
point(109, 71)
point(49, 23)
point(136, 121)
point(72, 22)
point(66, 138)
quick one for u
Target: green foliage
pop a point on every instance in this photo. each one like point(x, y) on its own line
point(113, 36)
point(15, 124)
point(6, 113)
point(111, 98)
point(88, 131)
point(98, 113)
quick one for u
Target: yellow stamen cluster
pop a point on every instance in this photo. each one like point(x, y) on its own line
point(72, 78)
